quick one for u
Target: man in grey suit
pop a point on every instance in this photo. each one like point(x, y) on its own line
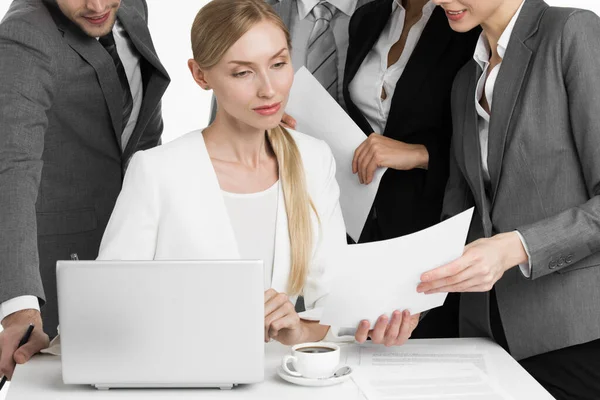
point(526, 154)
point(80, 90)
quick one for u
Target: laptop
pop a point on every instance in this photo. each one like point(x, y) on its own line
point(151, 324)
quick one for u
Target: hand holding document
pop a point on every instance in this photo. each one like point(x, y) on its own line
point(378, 278)
point(319, 115)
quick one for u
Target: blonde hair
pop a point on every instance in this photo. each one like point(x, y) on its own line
point(216, 28)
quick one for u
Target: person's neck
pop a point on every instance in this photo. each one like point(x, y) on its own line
point(231, 140)
point(496, 24)
point(413, 6)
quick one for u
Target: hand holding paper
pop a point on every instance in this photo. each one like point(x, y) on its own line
point(377, 278)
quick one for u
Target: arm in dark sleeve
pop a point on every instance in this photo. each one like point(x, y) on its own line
point(26, 93)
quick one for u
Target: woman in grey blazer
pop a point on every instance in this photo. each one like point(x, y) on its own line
point(526, 154)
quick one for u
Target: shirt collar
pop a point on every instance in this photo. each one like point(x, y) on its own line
point(427, 8)
point(482, 50)
point(306, 6)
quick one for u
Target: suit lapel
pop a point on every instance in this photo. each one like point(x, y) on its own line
point(157, 79)
point(513, 71)
point(431, 46)
point(98, 58)
point(472, 150)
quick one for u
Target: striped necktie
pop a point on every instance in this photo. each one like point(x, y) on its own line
point(108, 42)
point(321, 55)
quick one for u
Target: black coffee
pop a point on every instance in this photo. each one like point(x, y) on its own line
point(315, 350)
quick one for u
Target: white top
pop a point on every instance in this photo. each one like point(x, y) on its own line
point(171, 207)
point(253, 219)
point(303, 23)
point(131, 63)
point(374, 74)
point(482, 57)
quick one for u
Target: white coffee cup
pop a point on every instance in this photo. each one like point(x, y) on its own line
point(313, 360)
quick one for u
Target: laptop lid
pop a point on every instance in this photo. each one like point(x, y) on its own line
point(161, 323)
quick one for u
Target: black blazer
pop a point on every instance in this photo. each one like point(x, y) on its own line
point(408, 201)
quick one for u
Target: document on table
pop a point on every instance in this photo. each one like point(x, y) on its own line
point(451, 381)
point(425, 372)
point(317, 114)
point(380, 277)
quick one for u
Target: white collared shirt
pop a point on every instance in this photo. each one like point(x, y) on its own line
point(131, 62)
point(373, 76)
point(302, 27)
point(486, 83)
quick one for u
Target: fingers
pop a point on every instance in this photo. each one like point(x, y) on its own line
point(37, 342)
point(288, 121)
point(279, 313)
point(275, 301)
point(405, 330)
point(8, 345)
point(288, 321)
point(357, 154)
point(442, 284)
point(393, 329)
point(378, 333)
point(362, 333)
point(447, 270)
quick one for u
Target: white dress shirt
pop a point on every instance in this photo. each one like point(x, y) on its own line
point(373, 76)
point(253, 219)
point(303, 23)
point(131, 63)
point(486, 83)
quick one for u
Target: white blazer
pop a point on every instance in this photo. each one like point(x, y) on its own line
point(171, 208)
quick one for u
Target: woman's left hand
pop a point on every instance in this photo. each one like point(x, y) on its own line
point(394, 332)
point(381, 151)
point(282, 323)
point(482, 264)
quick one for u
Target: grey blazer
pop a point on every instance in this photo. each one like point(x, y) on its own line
point(61, 165)
point(544, 162)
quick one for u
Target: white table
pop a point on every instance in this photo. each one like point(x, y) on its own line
point(41, 379)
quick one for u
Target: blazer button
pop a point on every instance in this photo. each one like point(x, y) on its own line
point(552, 264)
point(569, 259)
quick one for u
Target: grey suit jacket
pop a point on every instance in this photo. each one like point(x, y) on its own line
point(544, 162)
point(61, 166)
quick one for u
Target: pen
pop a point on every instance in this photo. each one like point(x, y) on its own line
point(24, 340)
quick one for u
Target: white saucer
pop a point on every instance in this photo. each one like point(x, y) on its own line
point(302, 381)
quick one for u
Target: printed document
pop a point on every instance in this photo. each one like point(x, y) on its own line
point(380, 277)
point(320, 116)
point(416, 371)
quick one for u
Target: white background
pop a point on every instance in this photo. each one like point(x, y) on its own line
point(185, 105)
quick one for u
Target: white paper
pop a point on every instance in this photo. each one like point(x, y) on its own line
point(415, 355)
point(380, 277)
point(450, 381)
point(416, 371)
point(317, 114)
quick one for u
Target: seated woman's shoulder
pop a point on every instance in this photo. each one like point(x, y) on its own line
point(308, 144)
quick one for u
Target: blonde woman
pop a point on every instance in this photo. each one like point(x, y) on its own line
point(244, 187)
